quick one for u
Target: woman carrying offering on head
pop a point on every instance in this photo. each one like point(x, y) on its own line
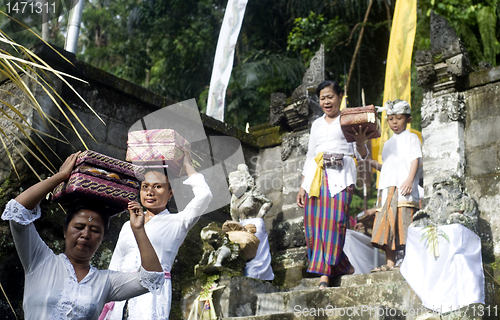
point(166, 231)
point(66, 286)
point(327, 186)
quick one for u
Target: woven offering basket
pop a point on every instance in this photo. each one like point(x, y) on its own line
point(352, 118)
point(157, 148)
point(248, 242)
point(231, 225)
point(97, 177)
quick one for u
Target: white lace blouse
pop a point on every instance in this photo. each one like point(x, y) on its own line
point(51, 289)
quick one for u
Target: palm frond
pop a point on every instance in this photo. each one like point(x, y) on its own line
point(8, 301)
point(29, 73)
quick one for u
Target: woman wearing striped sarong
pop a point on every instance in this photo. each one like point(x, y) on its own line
point(327, 186)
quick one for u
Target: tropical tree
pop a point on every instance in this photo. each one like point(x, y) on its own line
point(474, 22)
point(168, 46)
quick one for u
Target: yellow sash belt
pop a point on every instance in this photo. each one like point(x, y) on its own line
point(318, 176)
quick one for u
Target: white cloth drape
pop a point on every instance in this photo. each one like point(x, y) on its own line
point(360, 251)
point(454, 279)
point(260, 266)
point(224, 57)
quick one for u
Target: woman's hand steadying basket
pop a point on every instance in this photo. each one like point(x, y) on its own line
point(360, 136)
point(187, 164)
point(137, 216)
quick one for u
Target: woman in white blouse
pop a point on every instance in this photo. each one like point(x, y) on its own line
point(327, 186)
point(66, 286)
point(167, 232)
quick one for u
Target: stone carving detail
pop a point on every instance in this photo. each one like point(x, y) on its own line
point(315, 74)
point(484, 65)
point(457, 65)
point(451, 105)
point(298, 140)
point(289, 234)
point(448, 204)
point(447, 46)
point(423, 57)
point(426, 75)
point(278, 105)
point(246, 201)
point(455, 108)
point(298, 113)
point(444, 40)
point(217, 250)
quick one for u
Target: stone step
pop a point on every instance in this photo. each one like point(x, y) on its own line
point(390, 294)
point(379, 312)
point(375, 312)
point(353, 280)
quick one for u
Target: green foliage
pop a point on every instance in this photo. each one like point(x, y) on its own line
point(315, 29)
point(253, 81)
point(338, 29)
point(473, 21)
point(358, 203)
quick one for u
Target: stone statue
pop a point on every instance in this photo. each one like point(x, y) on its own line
point(278, 105)
point(217, 250)
point(246, 201)
point(249, 206)
point(448, 204)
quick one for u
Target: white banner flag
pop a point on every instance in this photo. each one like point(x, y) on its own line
point(224, 56)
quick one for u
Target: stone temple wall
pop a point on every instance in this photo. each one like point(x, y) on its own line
point(278, 174)
point(482, 151)
point(460, 116)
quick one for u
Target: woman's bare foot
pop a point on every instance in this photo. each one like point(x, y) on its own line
point(324, 282)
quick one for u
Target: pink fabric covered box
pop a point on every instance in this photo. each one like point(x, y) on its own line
point(99, 177)
point(158, 147)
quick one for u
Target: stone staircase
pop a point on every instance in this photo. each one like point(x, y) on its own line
point(375, 296)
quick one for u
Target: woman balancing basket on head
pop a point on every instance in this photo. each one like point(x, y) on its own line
point(157, 150)
point(66, 286)
point(327, 186)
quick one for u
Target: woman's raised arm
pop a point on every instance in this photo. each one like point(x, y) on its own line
point(149, 259)
point(34, 194)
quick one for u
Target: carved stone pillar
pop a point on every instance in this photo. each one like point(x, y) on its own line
point(443, 135)
point(441, 72)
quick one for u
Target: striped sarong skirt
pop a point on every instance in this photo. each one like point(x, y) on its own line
point(392, 222)
point(325, 223)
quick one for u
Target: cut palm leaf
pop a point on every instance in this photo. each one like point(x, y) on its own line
point(25, 73)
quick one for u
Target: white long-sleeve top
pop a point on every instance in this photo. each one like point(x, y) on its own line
point(51, 288)
point(325, 137)
point(167, 233)
point(398, 153)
